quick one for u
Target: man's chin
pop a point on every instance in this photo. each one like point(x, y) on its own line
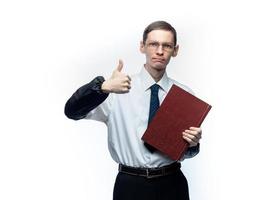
point(156, 66)
point(159, 67)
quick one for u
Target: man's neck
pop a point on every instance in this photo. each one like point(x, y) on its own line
point(155, 74)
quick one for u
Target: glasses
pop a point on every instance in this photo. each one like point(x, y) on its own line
point(165, 46)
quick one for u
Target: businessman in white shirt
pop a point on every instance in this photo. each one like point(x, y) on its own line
point(126, 104)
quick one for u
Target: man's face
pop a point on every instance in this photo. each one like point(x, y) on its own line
point(158, 49)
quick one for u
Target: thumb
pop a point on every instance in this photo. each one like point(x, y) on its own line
point(120, 65)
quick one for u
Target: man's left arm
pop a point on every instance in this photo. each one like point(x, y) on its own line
point(192, 136)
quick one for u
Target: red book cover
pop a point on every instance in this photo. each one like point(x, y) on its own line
point(178, 111)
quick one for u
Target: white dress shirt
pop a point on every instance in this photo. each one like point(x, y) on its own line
point(126, 117)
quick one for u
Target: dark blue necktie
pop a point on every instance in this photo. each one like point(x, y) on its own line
point(154, 105)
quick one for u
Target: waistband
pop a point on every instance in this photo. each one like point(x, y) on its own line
point(150, 172)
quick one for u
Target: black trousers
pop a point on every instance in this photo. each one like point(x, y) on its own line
point(170, 187)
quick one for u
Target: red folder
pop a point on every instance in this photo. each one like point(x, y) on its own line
point(178, 111)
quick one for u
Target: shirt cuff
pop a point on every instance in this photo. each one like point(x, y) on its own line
point(192, 151)
point(97, 83)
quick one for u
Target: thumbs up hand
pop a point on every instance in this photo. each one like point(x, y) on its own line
point(118, 83)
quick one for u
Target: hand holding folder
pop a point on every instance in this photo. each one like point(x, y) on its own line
point(179, 111)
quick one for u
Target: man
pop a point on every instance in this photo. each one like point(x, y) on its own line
point(126, 105)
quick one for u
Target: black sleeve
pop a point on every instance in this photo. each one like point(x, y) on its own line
point(85, 99)
point(192, 151)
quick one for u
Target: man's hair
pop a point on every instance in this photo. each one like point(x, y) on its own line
point(159, 25)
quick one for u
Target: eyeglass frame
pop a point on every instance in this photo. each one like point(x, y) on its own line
point(165, 46)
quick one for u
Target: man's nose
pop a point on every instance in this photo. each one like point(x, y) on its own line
point(159, 49)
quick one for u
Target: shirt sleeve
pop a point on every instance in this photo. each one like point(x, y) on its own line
point(87, 98)
point(192, 151)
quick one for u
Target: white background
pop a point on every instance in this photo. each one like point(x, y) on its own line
point(50, 48)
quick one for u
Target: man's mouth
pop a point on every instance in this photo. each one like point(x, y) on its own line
point(158, 60)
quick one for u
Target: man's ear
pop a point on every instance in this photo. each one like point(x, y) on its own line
point(175, 51)
point(142, 47)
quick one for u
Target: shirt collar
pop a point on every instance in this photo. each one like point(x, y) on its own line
point(148, 81)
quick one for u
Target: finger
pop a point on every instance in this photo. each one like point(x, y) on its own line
point(195, 129)
point(127, 80)
point(127, 85)
point(191, 142)
point(120, 65)
point(125, 90)
point(195, 133)
point(192, 137)
point(129, 77)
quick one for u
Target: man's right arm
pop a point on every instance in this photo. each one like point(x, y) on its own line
point(85, 99)
point(89, 96)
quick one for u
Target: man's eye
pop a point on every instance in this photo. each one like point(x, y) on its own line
point(154, 44)
point(167, 46)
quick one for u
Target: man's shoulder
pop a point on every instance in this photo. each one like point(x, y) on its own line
point(181, 85)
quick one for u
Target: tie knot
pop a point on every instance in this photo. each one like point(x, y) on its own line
point(154, 88)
